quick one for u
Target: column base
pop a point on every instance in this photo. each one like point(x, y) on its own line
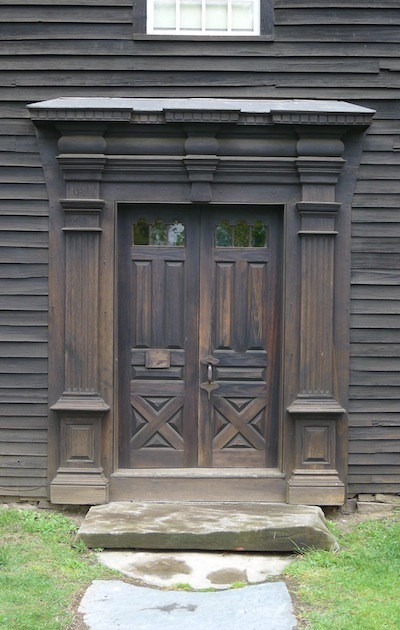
point(315, 488)
point(83, 488)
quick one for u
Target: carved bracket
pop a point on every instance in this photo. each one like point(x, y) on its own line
point(201, 160)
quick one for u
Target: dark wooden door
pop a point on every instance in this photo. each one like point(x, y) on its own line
point(199, 337)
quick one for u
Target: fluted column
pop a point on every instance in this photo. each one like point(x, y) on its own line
point(315, 409)
point(80, 408)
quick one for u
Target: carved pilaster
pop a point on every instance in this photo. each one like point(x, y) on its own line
point(317, 293)
point(80, 408)
point(316, 409)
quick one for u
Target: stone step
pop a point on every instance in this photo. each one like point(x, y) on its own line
point(206, 526)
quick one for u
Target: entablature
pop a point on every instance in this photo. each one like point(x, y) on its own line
point(202, 110)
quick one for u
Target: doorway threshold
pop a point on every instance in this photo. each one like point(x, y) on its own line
point(198, 484)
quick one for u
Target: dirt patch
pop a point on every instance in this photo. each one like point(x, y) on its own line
point(78, 622)
point(346, 522)
point(164, 567)
point(227, 576)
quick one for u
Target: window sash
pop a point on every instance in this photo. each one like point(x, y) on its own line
point(229, 17)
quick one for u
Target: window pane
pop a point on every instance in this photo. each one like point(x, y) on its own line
point(242, 15)
point(191, 14)
point(259, 235)
point(176, 234)
point(216, 15)
point(241, 235)
point(164, 14)
point(158, 233)
point(141, 233)
point(223, 235)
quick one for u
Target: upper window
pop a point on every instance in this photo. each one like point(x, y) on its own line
point(203, 17)
point(158, 233)
point(241, 234)
point(187, 19)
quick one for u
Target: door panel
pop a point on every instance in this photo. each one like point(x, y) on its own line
point(158, 345)
point(198, 335)
point(239, 290)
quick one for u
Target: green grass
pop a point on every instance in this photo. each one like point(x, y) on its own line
point(357, 588)
point(181, 586)
point(42, 570)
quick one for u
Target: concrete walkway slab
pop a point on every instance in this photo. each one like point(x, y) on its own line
point(198, 570)
point(109, 605)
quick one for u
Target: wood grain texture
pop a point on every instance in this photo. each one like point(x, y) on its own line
point(168, 420)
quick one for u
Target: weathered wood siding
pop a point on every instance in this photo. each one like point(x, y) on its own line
point(339, 49)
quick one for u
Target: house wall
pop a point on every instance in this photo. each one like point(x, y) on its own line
point(343, 49)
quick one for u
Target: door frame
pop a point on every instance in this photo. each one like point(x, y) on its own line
point(303, 157)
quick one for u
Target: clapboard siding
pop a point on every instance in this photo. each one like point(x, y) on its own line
point(23, 306)
point(330, 49)
point(375, 378)
point(72, 65)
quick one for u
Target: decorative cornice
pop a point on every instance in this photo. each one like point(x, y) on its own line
point(317, 233)
point(201, 116)
point(86, 206)
point(81, 229)
point(80, 403)
point(202, 110)
point(321, 118)
point(319, 164)
point(82, 168)
point(316, 406)
point(318, 207)
point(200, 168)
point(90, 114)
point(179, 116)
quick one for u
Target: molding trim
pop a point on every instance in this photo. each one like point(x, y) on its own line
point(316, 406)
point(202, 110)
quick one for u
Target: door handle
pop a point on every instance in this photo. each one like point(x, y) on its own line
point(210, 385)
point(209, 359)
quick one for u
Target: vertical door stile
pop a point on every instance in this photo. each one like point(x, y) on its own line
point(206, 318)
point(274, 324)
point(192, 305)
point(125, 323)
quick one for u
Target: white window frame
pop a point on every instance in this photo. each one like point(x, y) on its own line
point(229, 32)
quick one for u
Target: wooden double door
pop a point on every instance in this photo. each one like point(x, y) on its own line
point(199, 336)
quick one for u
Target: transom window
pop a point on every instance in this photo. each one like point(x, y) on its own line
point(241, 234)
point(203, 17)
point(158, 233)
